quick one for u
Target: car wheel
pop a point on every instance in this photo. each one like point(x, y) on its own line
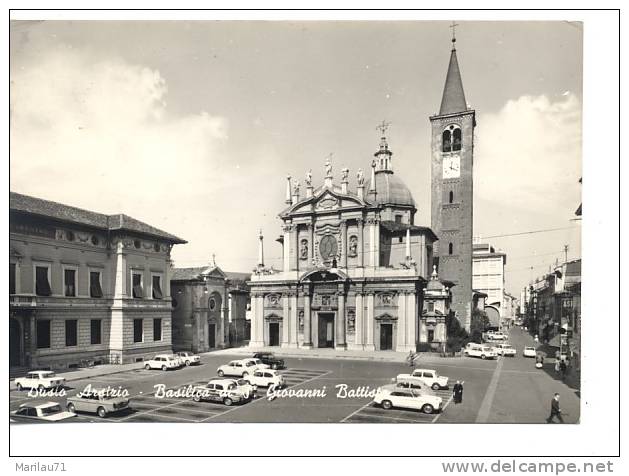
point(483, 356)
point(71, 408)
point(386, 404)
point(147, 367)
point(41, 388)
point(227, 401)
point(244, 374)
point(187, 363)
point(436, 386)
point(221, 373)
point(19, 387)
point(164, 368)
point(101, 412)
point(196, 398)
point(465, 352)
point(428, 408)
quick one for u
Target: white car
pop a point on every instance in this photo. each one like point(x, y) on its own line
point(266, 378)
point(389, 396)
point(189, 358)
point(431, 377)
point(241, 368)
point(40, 379)
point(220, 391)
point(479, 350)
point(47, 411)
point(496, 336)
point(414, 383)
point(506, 350)
point(529, 352)
point(163, 361)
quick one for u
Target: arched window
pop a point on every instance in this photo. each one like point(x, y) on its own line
point(451, 138)
point(446, 140)
point(450, 248)
point(451, 197)
point(456, 142)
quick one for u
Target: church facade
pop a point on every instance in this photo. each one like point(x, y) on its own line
point(358, 273)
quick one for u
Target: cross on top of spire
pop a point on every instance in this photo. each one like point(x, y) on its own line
point(383, 127)
point(453, 26)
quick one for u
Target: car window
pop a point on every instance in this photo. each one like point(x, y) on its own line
point(22, 411)
point(31, 412)
point(218, 386)
point(267, 374)
point(258, 374)
point(399, 394)
point(428, 374)
point(231, 386)
point(237, 364)
point(51, 410)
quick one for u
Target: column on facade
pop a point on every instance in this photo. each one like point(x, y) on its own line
point(311, 245)
point(340, 322)
point(307, 316)
point(411, 320)
point(285, 319)
point(295, 247)
point(377, 243)
point(116, 329)
point(359, 322)
point(120, 284)
point(257, 320)
point(361, 251)
point(370, 322)
point(293, 321)
point(402, 336)
point(287, 247)
point(344, 244)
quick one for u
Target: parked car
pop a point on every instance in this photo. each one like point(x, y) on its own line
point(414, 383)
point(431, 377)
point(241, 368)
point(97, 401)
point(40, 379)
point(506, 350)
point(248, 389)
point(389, 396)
point(479, 350)
point(222, 391)
point(270, 359)
point(496, 336)
point(46, 411)
point(163, 361)
point(529, 352)
point(189, 358)
point(266, 378)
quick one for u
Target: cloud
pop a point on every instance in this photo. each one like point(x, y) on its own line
point(86, 127)
point(529, 154)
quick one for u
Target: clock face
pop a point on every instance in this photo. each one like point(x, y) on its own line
point(451, 166)
point(328, 247)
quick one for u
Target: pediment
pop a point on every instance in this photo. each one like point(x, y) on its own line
point(326, 200)
point(214, 272)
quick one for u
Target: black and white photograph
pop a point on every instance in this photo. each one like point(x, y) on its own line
point(371, 223)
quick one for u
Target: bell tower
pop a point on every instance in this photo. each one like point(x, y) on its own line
point(452, 180)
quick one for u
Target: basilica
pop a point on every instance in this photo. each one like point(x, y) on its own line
point(357, 272)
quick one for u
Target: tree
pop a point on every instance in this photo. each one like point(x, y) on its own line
point(478, 325)
point(457, 335)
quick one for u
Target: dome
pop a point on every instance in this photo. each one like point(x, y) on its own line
point(391, 190)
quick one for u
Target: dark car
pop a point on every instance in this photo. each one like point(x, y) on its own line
point(269, 359)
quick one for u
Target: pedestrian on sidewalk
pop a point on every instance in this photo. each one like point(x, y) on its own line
point(555, 410)
point(458, 392)
point(411, 358)
point(563, 367)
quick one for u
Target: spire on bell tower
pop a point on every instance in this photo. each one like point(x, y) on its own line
point(383, 156)
point(453, 99)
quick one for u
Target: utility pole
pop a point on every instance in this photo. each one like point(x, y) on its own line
point(565, 250)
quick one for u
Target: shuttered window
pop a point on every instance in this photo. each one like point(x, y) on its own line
point(157, 288)
point(69, 282)
point(42, 286)
point(95, 289)
point(137, 286)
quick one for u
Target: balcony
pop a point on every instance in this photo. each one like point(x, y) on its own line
point(22, 301)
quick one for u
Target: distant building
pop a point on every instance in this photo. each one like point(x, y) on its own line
point(488, 277)
point(209, 307)
point(85, 286)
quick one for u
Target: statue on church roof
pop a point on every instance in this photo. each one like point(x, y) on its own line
point(296, 188)
point(328, 166)
point(360, 177)
point(344, 174)
point(309, 178)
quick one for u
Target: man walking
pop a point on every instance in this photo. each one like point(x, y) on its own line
point(458, 392)
point(555, 411)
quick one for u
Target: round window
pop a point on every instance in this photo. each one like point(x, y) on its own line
point(137, 243)
point(212, 304)
point(328, 247)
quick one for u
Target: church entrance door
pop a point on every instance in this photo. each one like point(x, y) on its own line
point(211, 337)
point(386, 336)
point(274, 334)
point(326, 330)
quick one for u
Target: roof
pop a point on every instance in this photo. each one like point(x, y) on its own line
point(390, 190)
point(453, 99)
point(66, 213)
point(395, 227)
point(236, 276)
point(184, 274)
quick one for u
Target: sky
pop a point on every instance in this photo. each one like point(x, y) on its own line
point(192, 127)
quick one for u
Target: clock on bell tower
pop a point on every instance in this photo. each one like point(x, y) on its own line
point(452, 160)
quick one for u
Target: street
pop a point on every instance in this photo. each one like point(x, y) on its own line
point(506, 390)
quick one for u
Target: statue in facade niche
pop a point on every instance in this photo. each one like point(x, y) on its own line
point(303, 250)
point(360, 177)
point(309, 178)
point(353, 246)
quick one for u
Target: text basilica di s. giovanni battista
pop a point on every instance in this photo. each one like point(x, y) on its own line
point(358, 273)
